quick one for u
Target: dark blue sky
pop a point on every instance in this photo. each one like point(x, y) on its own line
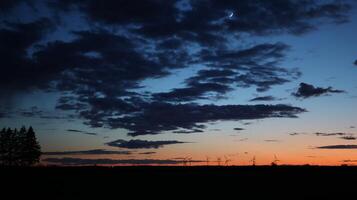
point(183, 77)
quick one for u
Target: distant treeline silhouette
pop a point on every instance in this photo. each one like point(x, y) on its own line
point(19, 147)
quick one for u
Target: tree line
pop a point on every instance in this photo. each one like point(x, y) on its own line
point(19, 147)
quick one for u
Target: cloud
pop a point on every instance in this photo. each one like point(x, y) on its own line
point(87, 152)
point(8, 5)
point(142, 144)
point(35, 112)
point(272, 140)
point(2, 115)
point(148, 153)
point(162, 19)
point(254, 66)
point(349, 137)
point(114, 12)
point(79, 131)
point(264, 98)
point(16, 38)
point(189, 131)
point(306, 91)
point(349, 161)
point(127, 69)
point(157, 117)
point(32, 112)
point(241, 140)
point(100, 67)
point(330, 134)
point(347, 146)
point(196, 91)
point(324, 134)
point(80, 161)
point(344, 136)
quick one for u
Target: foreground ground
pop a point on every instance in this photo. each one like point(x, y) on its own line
point(283, 182)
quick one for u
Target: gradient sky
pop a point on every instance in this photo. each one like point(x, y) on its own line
point(152, 82)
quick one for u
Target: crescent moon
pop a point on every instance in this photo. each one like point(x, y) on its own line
point(231, 15)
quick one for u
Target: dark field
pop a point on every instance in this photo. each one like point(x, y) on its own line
point(283, 182)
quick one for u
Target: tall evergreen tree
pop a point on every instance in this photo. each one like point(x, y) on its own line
point(19, 148)
point(32, 149)
point(9, 145)
point(2, 146)
point(21, 145)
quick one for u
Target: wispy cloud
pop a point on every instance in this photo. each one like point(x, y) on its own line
point(349, 161)
point(79, 131)
point(87, 152)
point(329, 134)
point(148, 153)
point(272, 140)
point(80, 161)
point(348, 137)
point(339, 146)
point(142, 144)
point(265, 98)
point(306, 91)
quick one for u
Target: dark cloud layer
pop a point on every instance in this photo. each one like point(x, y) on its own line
point(87, 152)
point(16, 38)
point(256, 66)
point(142, 144)
point(35, 112)
point(271, 140)
point(158, 117)
point(83, 132)
point(330, 134)
point(344, 136)
point(349, 161)
point(99, 70)
point(348, 137)
point(188, 131)
point(294, 134)
point(347, 146)
point(80, 161)
point(163, 19)
point(306, 91)
point(148, 153)
point(264, 98)
point(8, 5)
point(341, 135)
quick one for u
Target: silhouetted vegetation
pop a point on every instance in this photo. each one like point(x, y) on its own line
point(153, 182)
point(19, 147)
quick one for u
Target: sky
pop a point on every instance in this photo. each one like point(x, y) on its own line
point(162, 82)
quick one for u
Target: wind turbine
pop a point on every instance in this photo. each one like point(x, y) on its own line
point(185, 161)
point(207, 160)
point(189, 160)
point(275, 161)
point(219, 160)
point(253, 161)
point(226, 160)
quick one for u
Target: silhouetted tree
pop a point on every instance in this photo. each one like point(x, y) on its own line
point(19, 148)
point(2, 146)
point(31, 148)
